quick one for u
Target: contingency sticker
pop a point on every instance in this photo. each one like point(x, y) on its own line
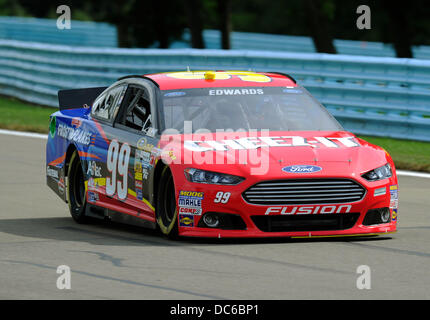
point(190, 202)
point(186, 220)
point(394, 215)
point(394, 197)
point(141, 165)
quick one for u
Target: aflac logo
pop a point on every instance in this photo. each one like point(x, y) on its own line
point(301, 169)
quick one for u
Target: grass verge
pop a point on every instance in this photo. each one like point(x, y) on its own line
point(407, 154)
point(23, 116)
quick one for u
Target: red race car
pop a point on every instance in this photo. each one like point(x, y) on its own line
point(217, 154)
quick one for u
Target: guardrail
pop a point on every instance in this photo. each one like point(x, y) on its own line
point(81, 33)
point(376, 96)
point(100, 34)
point(277, 42)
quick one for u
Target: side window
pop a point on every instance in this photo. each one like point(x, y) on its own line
point(107, 106)
point(137, 114)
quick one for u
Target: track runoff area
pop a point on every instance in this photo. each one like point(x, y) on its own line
point(45, 255)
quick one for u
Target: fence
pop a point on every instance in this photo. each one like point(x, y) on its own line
point(81, 33)
point(98, 34)
point(275, 42)
point(368, 95)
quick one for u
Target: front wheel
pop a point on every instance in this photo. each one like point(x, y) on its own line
point(76, 195)
point(166, 205)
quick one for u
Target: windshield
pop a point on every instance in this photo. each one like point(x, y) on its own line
point(245, 109)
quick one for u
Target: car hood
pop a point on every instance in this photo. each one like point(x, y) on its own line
point(275, 153)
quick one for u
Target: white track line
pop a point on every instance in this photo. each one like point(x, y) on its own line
point(413, 174)
point(24, 134)
point(45, 136)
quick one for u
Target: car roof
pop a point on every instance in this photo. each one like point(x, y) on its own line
point(212, 79)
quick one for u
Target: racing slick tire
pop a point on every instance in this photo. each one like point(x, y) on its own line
point(76, 195)
point(166, 212)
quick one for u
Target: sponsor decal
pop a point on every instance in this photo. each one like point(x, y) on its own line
point(301, 169)
point(186, 220)
point(138, 184)
point(247, 76)
point(61, 185)
point(144, 157)
point(394, 215)
point(174, 94)
point(91, 184)
point(137, 170)
point(142, 161)
point(380, 192)
point(190, 202)
point(74, 134)
point(93, 197)
point(273, 141)
point(142, 144)
point(52, 126)
point(76, 122)
point(51, 172)
point(308, 209)
point(145, 173)
point(235, 92)
point(292, 91)
point(188, 210)
point(138, 176)
point(94, 170)
point(394, 197)
point(95, 183)
point(139, 194)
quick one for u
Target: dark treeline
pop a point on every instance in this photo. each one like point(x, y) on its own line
point(141, 23)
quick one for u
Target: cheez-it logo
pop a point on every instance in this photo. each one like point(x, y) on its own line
point(259, 142)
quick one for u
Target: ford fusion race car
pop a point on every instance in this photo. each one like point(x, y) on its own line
point(217, 154)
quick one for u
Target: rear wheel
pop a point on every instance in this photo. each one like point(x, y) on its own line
point(76, 195)
point(166, 205)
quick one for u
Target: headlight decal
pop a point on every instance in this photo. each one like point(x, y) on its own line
point(380, 173)
point(210, 177)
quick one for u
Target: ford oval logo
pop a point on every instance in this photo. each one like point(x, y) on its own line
point(301, 169)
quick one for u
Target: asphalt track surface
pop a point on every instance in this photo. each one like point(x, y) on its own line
point(113, 261)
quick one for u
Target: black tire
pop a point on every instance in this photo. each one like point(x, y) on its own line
point(166, 205)
point(76, 195)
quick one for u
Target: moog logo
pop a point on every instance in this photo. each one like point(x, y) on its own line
point(301, 169)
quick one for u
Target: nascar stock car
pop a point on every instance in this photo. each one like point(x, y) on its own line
point(217, 154)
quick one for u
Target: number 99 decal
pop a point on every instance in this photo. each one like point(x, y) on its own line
point(117, 162)
point(222, 197)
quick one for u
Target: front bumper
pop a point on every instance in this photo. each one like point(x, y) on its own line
point(211, 197)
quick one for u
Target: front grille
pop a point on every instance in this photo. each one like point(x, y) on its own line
point(306, 222)
point(304, 191)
